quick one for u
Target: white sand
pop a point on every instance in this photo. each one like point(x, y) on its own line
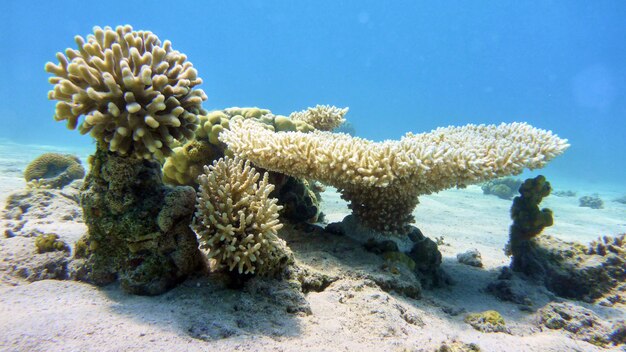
point(349, 315)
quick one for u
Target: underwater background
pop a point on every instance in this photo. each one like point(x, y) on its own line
point(401, 66)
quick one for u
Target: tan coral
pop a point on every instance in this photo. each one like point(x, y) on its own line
point(321, 117)
point(136, 93)
point(236, 219)
point(53, 170)
point(383, 180)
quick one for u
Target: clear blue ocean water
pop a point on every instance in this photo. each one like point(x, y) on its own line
point(399, 65)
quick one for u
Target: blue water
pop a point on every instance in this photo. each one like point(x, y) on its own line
point(399, 65)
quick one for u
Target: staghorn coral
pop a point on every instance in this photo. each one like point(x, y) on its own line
point(53, 170)
point(136, 93)
point(383, 180)
point(321, 117)
point(237, 221)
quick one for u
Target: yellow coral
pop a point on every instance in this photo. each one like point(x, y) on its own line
point(383, 180)
point(237, 221)
point(137, 94)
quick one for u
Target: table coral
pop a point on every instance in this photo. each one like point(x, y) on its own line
point(383, 180)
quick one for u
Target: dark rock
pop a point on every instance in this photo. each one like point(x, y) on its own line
point(510, 291)
point(427, 258)
point(380, 247)
point(566, 269)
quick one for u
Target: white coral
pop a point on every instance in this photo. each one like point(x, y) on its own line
point(383, 180)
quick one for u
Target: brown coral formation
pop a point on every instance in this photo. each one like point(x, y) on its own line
point(136, 93)
point(54, 170)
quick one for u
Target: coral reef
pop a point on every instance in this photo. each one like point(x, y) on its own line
point(321, 117)
point(568, 269)
point(137, 94)
point(487, 321)
point(383, 180)
point(53, 170)
point(237, 221)
point(608, 244)
point(581, 323)
point(593, 201)
point(138, 228)
point(186, 163)
point(504, 188)
point(621, 200)
point(415, 251)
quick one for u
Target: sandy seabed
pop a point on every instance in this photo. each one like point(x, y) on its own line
point(353, 313)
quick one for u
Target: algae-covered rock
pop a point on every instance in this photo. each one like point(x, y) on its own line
point(54, 170)
point(593, 201)
point(487, 321)
point(471, 258)
point(581, 324)
point(50, 243)
point(504, 188)
point(457, 346)
point(138, 228)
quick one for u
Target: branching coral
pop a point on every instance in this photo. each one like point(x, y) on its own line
point(382, 180)
point(137, 94)
point(321, 117)
point(237, 221)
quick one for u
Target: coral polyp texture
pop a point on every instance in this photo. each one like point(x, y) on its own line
point(136, 93)
point(53, 170)
point(383, 180)
point(321, 117)
point(237, 221)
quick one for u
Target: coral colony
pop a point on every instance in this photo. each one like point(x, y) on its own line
point(140, 103)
